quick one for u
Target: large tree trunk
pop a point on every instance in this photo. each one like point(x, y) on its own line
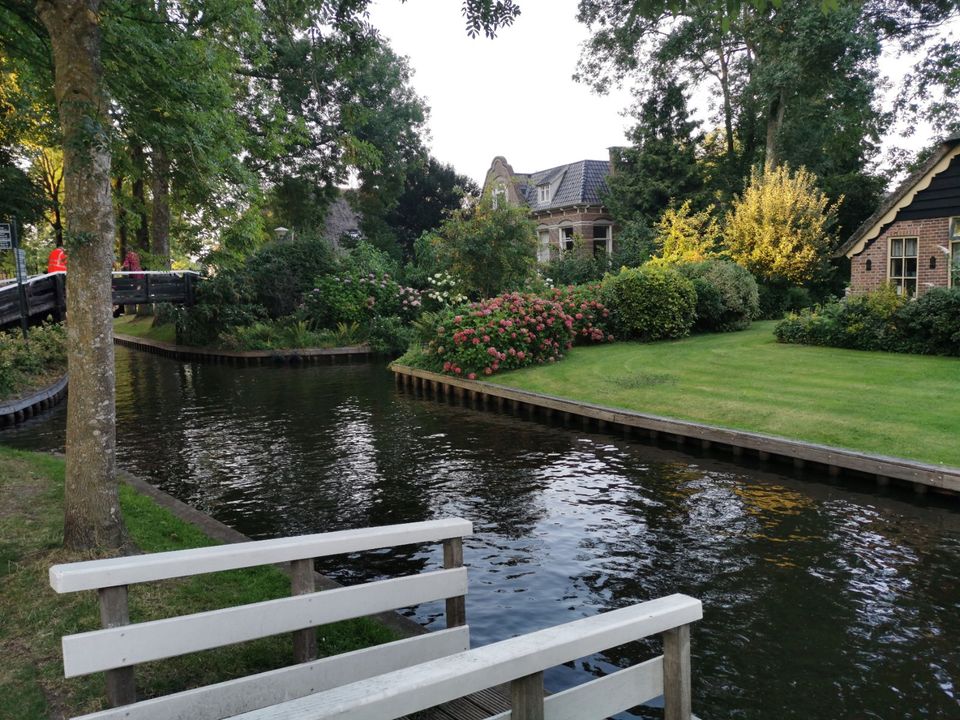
point(91, 501)
point(774, 122)
point(121, 218)
point(161, 209)
point(139, 195)
point(727, 104)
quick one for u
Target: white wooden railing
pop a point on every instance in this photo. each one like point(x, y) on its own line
point(120, 646)
point(521, 662)
point(378, 683)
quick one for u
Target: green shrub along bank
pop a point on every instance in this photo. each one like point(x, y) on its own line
point(516, 330)
point(727, 295)
point(30, 365)
point(881, 320)
point(296, 294)
point(651, 302)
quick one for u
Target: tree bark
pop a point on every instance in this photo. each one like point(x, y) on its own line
point(91, 499)
point(727, 104)
point(121, 218)
point(160, 222)
point(774, 122)
point(142, 234)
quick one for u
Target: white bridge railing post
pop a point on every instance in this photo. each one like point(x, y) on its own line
point(676, 674)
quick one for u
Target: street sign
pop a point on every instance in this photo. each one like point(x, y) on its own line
point(6, 237)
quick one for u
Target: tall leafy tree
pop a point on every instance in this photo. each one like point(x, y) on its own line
point(431, 191)
point(661, 164)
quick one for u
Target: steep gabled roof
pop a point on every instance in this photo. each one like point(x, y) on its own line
point(580, 183)
point(900, 198)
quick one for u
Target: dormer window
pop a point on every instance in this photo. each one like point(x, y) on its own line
point(499, 192)
point(543, 193)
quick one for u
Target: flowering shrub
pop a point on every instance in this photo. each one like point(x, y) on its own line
point(509, 331)
point(591, 318)
point(358, 297)
point(444, 290)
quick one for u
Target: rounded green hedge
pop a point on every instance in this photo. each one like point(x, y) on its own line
point(650, 302)
point(727, 297)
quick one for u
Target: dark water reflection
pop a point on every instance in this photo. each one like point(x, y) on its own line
point(821, 601)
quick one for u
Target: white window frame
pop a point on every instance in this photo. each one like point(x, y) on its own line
point(543, 193)
point(543, 245)
point(900, 281)
point(564, 239)
point(499, 191)
point(608, 237)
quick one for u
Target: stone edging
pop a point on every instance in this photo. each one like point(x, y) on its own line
point(216, 530)
point(330, 356)
point(16, 411)
point(835, 460)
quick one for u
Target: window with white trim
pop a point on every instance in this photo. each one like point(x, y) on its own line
point(955, 252)
point(903, 265)
point(543, 193)
point(602, 244)
point(566, 237)
point(543, 247)
point(499, 192)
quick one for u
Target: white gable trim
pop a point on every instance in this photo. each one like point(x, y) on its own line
point(903, 202)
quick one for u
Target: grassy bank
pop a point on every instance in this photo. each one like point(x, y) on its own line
point(891, 404)
point(143, 327)
point(33, 617)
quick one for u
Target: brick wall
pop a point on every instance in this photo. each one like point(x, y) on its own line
point(930, 233)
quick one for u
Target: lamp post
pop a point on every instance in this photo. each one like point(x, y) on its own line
point(280, 232)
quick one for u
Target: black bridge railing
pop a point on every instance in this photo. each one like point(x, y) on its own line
point(46, 294)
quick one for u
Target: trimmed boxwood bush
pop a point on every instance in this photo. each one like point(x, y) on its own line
point(282, 271)
point(650, 302)
point(727, 297)
point(509, 331)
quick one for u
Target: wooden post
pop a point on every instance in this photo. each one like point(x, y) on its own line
point(302, 583)
point(121, 687)
point(526, 697)
point(453, 558)
point(676, 674)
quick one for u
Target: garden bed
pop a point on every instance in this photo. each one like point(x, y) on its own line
point(869, 401)
point(33, 617)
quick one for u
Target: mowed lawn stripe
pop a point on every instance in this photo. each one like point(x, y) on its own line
point(886, 403)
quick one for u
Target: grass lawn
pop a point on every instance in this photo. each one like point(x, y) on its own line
point(33, 617)
point(892, 404)
point(143, 327)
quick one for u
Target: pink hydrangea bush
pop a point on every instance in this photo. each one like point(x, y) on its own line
point(591, 318)
point(509, 331)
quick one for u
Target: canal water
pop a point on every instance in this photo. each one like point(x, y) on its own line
point(821, 600)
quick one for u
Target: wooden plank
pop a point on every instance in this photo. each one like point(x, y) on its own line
point(423, 686)
point(456, 607)
point(253, 692)
point(302, 582)
point(676, 673)
point(526, 697)
point(129, 570)
point(121, 685)
point(98, 650)
point(606, 696)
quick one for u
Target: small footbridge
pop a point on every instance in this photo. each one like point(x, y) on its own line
point(47, 294)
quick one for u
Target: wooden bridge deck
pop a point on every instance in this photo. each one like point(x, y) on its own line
point(46, 294)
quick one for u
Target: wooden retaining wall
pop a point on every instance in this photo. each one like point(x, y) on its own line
point(16, 411)
point(329, 356)
point(831, 460)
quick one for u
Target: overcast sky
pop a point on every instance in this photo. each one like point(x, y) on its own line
point(510, 96)
point(514, 95)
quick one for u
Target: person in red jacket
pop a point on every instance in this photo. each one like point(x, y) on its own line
point(57, 262)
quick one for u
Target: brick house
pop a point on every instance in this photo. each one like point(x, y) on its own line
point(564, 201)
point(913, 239)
